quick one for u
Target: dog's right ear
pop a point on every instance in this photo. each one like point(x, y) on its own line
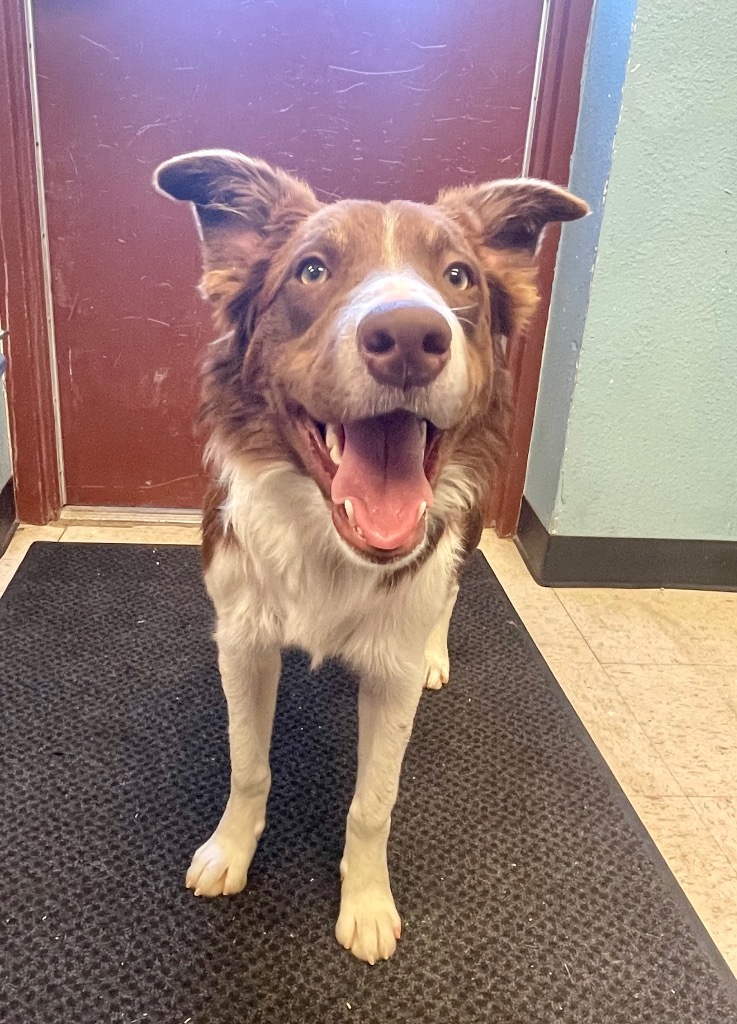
point(243, 207)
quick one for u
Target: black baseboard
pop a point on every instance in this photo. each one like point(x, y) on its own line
point(557, 561)
point(8, 521)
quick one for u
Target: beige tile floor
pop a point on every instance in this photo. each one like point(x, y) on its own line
point(652, 675)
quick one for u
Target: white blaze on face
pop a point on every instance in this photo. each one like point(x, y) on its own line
point(444, 400)
point(390, 256)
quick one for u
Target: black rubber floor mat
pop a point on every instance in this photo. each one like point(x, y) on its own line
point(529, 891)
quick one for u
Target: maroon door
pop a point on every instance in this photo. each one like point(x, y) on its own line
point(368, 98)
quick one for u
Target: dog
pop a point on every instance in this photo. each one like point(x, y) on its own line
point(355, 409)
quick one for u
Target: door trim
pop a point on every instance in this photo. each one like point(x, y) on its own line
point(124, 514)
point(553, 138)
point(45, 250)
point(536, 80)
point(30, 374)
point(34, 425)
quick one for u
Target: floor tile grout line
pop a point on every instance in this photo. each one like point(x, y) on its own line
point(653, 741)
point(628, 790)
point(597, 658)
point(669, 664)
point(708, 828)
point(562, 607)
point(715, 692)
point(576, 626)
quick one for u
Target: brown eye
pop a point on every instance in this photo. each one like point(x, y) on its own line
point(312, 271)
point(459, 276)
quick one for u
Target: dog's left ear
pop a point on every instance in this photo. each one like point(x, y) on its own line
point(504, 221)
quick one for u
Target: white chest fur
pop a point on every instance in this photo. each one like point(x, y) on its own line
point(290, 581)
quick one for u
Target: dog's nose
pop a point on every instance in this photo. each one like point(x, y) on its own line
point(404, 344)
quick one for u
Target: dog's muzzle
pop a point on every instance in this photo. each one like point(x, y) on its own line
point(404, 344)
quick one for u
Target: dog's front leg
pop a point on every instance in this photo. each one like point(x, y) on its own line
point(369, 924)
point(250, 678)
point(437, 661)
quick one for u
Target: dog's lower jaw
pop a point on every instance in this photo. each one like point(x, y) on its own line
point(385, 565)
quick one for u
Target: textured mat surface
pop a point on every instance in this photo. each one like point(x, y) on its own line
point(529, 892)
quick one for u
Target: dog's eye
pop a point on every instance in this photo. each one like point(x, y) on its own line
point(459, 276)
point(312, 271)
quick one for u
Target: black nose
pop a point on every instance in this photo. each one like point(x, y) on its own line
point(404, 344)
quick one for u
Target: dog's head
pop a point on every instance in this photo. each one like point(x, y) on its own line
point(363, 340)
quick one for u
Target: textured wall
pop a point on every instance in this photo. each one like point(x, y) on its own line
point(601, 95)
point(649, 443)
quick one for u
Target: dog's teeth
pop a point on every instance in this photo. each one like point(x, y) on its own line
point(423, 434)
point(423, 510)
point(332, 443)
point(349, 511)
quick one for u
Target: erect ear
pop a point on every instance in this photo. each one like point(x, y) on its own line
point(504, 221)
point(243, 208)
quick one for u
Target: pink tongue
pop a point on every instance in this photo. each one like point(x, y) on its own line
point(381, 473)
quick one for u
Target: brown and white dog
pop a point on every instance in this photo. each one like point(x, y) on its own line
point(355, 406)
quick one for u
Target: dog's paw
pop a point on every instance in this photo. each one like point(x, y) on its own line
point(437, 670)
point(219, 867)
point(369, 926)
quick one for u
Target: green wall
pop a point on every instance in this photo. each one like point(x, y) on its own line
point(637, 414)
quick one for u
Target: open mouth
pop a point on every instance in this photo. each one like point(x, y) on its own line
point(378, 474)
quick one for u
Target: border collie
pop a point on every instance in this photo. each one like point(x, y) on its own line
point(355, 408)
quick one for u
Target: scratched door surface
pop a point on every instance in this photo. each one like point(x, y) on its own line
point(367, 98)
